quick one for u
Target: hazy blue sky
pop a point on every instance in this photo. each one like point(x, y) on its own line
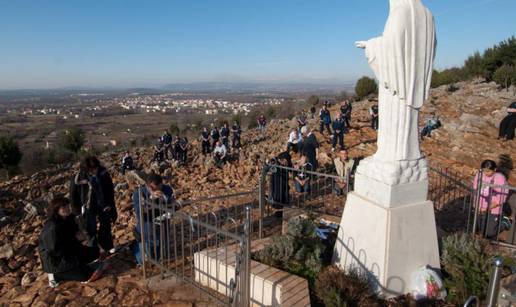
point(150, 42)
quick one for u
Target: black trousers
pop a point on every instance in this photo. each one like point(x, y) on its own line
point(206, 148)
point(507, 126)
point(321, 127)
point(374, 122)
point(225, 141)
point(338, 137)
point(236, 141)
point(102, 235)
point(82, 272)
point(347, 121)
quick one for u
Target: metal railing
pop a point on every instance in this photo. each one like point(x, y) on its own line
point(173, 242)
point(459, 206)
point(315, 192)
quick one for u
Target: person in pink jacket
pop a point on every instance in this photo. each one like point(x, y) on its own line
point(492, 196)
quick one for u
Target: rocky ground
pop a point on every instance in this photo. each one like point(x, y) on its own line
point(469, 115)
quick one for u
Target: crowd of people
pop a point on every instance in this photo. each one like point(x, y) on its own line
point(77, 235)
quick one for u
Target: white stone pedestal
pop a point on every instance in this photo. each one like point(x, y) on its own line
point(391, 242)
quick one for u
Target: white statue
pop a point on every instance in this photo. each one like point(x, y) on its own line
point(402, 60)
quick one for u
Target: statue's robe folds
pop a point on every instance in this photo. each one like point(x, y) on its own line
point(402, 60)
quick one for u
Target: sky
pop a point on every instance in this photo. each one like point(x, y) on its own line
point(129, 43)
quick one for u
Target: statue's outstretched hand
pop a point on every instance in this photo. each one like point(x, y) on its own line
point(361, 44)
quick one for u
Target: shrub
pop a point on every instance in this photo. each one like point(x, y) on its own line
point(313, 100)
point(72, 139)
point(467, 267)
point(505, 76)
point(336, 288)
point(298, 252)
point(174, 129)
point(10, 154)
point(365, 86)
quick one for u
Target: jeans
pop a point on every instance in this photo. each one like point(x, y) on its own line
point(338, 137)
point(305, 188)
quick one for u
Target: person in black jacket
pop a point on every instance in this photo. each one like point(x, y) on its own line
point(224, 135)
point(62, 255)
point(205, 141)
point(215, 136)
point(236, 131)
point(339, 125)
point(93, 199)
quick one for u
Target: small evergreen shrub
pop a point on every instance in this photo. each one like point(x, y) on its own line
point(298, 252)
point(336, 288)
point(467, 267)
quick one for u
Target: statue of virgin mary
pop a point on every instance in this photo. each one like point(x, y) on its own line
point(402, 60)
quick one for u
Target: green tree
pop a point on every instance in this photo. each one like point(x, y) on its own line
point(10, 154)
point(174, 129)
point(365, 86)
point(505, 76)
point(474, 66)
point(73, 139)
point(313, 100)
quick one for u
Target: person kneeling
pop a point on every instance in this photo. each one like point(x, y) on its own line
point(219, 154)
point(63, 257)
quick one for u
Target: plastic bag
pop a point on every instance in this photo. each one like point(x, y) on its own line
point(426, 284)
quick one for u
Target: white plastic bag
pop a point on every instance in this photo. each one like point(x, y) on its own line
point(426, 284)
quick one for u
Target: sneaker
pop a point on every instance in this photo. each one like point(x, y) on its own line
point(112, 251)
point(53, 284)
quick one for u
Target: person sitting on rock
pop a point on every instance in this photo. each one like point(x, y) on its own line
point(301, 119)
point(236, 130)
point(262, 123)
point(301, 179)
point(294, 141)
point(373, 111)
point(492, 197)
point(215, 136)
point(338, 132)
point(159, 152)
point(63, 256)
point(127, 163)
point(224, 135)
point(151, 200)
point(345, 168)
point(431, 124)
point(325, 120)
point(508, 124)
point(93, 199)
point(205, 141)
point(220, 154)
point(183, 146)
point(166, 138)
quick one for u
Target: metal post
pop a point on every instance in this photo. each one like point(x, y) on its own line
point(246, 272)
point(476, 201)
point(472, 301)
point(142, 227)
point(261, 201)
point(494, 283)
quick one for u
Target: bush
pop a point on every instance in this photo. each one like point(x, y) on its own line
point(447, 76)
point(336, 288)
point(505, 76)
point(365, 87)
point(466, 267)
point(10, 154)
point(313, 100)
point(72, 139)
point(174, 129)
point(298, 252)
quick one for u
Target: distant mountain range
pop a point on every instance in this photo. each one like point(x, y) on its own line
point(284, 87)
